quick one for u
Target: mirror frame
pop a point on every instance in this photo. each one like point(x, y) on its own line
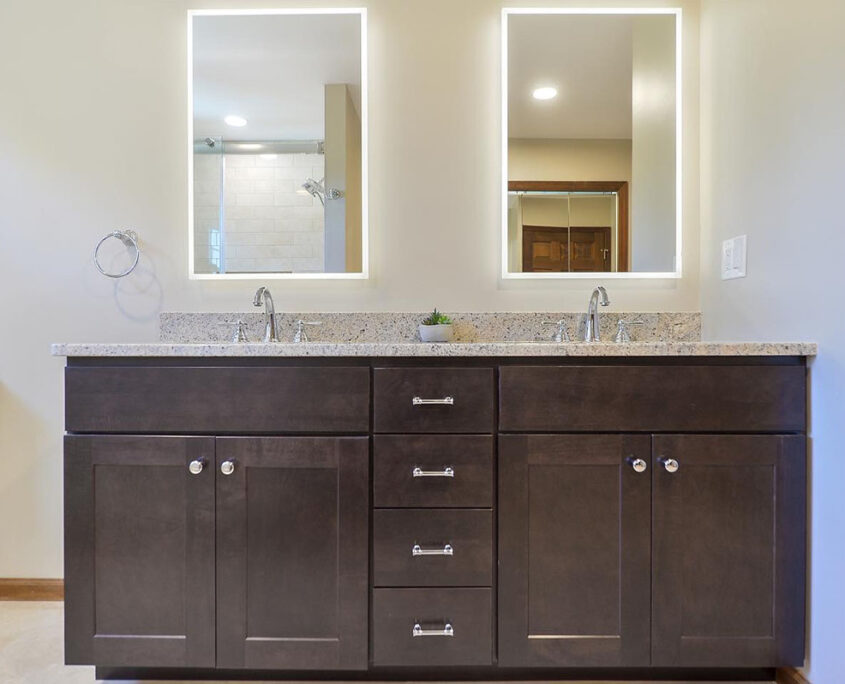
point(503, 236)
point(363, 274)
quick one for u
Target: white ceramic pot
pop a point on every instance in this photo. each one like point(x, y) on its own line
point(436, 333)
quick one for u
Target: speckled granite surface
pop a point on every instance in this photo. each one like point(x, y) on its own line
point(395, 334)
point(419, 349)
point(402, 326)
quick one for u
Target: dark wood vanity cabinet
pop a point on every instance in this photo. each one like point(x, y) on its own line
point(728, 550)
point(574, 551)
point(236, 552)
point(493, 515)
point(433, 516)
point(264, 537)
point(695, 561)
point(139, 551)
point(292, 540)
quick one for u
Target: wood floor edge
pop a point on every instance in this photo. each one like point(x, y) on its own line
point(789, 675)
point(26, 589)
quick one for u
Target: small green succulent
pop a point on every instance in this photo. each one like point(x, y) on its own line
point(437, 318)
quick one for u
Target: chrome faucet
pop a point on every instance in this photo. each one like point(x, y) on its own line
point(591, 325)
point(263, 296)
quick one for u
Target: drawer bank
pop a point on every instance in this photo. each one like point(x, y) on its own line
point(403, 518)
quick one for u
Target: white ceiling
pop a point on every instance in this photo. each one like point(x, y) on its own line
point(271, 70)
point(588, 58)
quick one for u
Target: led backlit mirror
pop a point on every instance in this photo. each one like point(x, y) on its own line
point(591, 143)
point(278, 144)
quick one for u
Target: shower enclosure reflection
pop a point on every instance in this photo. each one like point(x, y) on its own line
point(567, 227)
point(278, 151)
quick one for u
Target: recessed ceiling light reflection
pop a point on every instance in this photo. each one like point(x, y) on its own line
point(235, 120)
point(545, 93)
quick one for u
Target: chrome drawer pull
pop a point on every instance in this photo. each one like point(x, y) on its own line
point(447, 631)
point(446, 472)
point(418, 550)
point(445, 401)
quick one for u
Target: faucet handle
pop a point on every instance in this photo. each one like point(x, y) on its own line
point(240, 333)
point(623, 335)
point(300, 335)
point(561, 334)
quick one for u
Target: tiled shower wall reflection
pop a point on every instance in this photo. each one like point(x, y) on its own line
point(267, 224)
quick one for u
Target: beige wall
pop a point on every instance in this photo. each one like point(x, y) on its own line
point(773, 118)
point(569, 160)
point(93, 136)
point(354, 241)
point(343, 172)
point(653, 150)
point(336, 102)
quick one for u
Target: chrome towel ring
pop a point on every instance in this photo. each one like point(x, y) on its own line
point(128, 238)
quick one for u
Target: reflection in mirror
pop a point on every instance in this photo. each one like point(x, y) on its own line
point(278, 130)
point(591, 171)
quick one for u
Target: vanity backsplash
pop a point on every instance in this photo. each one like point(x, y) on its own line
point(508, 326)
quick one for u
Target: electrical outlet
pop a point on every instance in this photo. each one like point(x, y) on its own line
point(734, 253)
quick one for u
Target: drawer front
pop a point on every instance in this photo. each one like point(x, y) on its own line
point(250, 399)
point(468, 611)
point(652, 398)
point(470, 389)
point(440, 471)
point(432, 548)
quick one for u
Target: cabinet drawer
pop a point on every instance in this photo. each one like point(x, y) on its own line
point(217, 399)
point(652, 398)
point(468, 458)
point(455, 548)
point(467, 611)
point(470, 390)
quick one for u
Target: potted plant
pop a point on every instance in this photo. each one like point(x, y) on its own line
point(437, 327)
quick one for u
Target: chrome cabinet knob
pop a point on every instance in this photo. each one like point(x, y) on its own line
point(195, 467)
point(638, 464)
point(227, 467)
point(670, 464)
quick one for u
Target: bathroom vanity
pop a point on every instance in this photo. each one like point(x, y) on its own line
point(456, 511)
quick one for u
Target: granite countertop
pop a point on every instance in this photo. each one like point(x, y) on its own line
point(419, 349)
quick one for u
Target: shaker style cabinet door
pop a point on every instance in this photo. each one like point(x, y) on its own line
point(292, 552)
point(574, 550)
point(729, 547)
point(139, 551)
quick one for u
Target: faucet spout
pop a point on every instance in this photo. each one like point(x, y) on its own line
point(263, 296)
point(591, 327)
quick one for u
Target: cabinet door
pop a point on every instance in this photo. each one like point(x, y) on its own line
point(292, 552)
point(139, 551)
point(574, 550)
point(729, 545)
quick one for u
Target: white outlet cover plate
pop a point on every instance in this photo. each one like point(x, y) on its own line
point(734, 257)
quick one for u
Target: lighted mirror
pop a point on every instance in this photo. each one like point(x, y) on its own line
point(591, 172)
point(278, 143)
